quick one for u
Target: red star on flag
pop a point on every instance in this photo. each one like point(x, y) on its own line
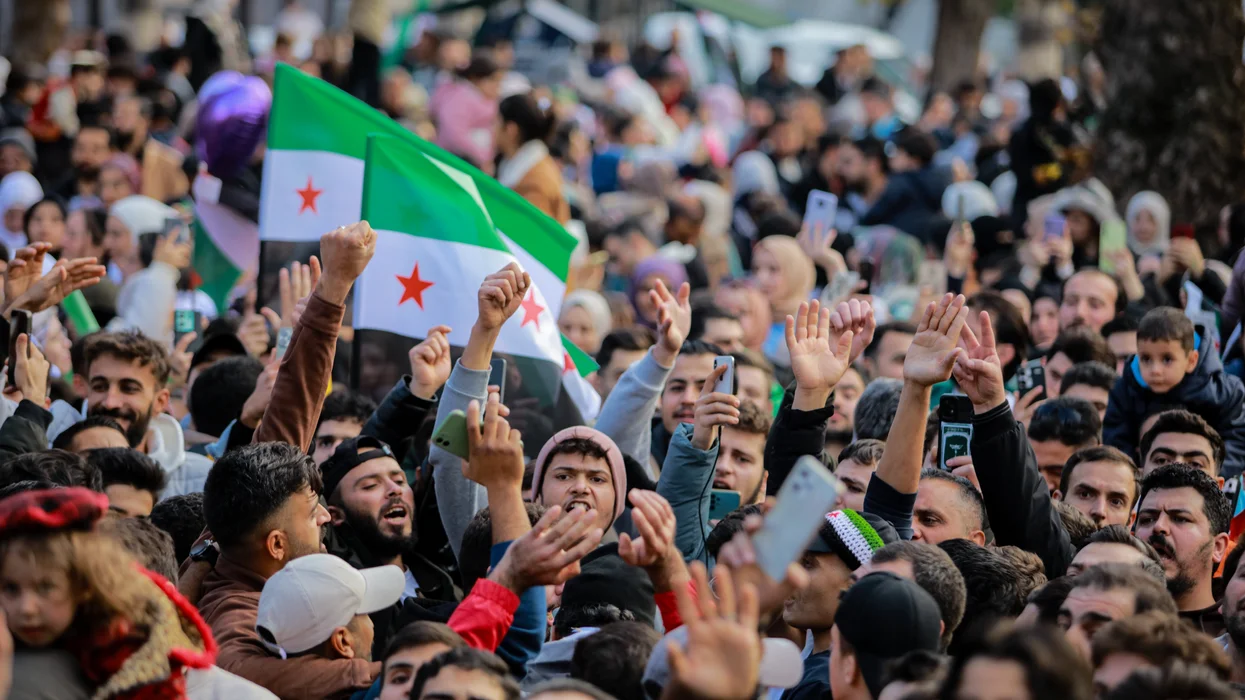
point(531, 310)
point(309, 195)
point(413, 288)
point(568, 365)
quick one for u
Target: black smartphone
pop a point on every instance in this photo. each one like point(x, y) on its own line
point(497, 376)
point(1031, 376)
point(865, 268)
point(955, 418)
point(19, 323)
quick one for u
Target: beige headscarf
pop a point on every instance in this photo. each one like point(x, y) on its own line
point(797, 271)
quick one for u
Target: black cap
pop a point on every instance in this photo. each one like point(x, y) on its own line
point(226, 344)
point(347, 456)
point(604, 578)
point(883, 617)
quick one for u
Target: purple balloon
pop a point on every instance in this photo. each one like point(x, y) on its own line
point(232, 122)
point(218, 83)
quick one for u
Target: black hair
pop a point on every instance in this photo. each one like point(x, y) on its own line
point(919, 666)
point(57, 466)
point(699, 347)
point(219, 393)
point(1182, 421)
point(1045, 96)
point(477, 543)
point(52, 199)
point(1052, 667)
point(702, 314)
point(182, 517)
point(1176, 680)
point(524, 111)
point(728, 526)
point(933, 570)
point(875, 150)
point(992, 587)
point(1090, 373)
point(247, 485)
point(569, 619)
point(1150, 594)
point(1177, 475)
point(467, 659)
point(346, 405)
point(1098, 453)
point(421, 633)
point(1167, 323)
point(1049, 599)
point(1118, 534)
point(631, 339)
point(917, 144)
point(614, 657)
point(876, 408)
point(482, 66)
point(968, 493)
point(866, 453)
point(871, 350)
point(64, 441)
point(1122, 323)
point(1077, 524)
point(1082, 344)
point(27, 485)
point(151, 546)
point(122, 465)
point(1072, 421)
point(1009, 326)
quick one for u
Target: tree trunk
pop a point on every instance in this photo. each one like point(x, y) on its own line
point(1039, 24)
point(38, 29)
point(958, 41)
point(1175, 116)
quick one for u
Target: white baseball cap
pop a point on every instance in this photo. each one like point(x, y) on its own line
point(313, 595)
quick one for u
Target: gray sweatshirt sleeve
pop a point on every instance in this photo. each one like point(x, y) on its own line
point(145, 302)
point(458, 498)
point(627, 415)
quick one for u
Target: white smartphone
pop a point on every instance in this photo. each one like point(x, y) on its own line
point(283, 341)
point(809, 492)
point(820, 210)
point(725, 385)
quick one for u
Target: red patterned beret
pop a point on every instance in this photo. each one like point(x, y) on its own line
point(73, 508)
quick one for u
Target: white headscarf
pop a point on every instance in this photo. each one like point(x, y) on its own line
point(597, 307)
point(754, 172)
point(978, 200)
point(1154, 203)
point(19, 190)
point(141, 214)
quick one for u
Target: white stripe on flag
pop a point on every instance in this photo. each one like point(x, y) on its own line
point(308, 193)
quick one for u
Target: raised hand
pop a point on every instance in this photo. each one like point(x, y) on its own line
point(958, 254)
point(495, 450)
point(501, 294)
point(654, 520)
point(674, 320)
point(31, 371)
point(180, 358)
point(296, 284)
point(855, 315)
point(819, 357)
point(430, 363)
point(935, 347)
point(549, 553)
point(344, 252)
point(1027, 405)
point(65, 278)
point(713, 409)
point(817, 243)
point(24, 269)
point(979, 371)
point(722, 657)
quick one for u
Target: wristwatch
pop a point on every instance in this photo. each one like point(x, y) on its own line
point(205, 551)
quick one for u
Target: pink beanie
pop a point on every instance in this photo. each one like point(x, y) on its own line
point(612, 455)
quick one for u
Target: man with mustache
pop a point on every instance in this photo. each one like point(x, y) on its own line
point(1184, 516)
point(127, 381)
point(91, 147)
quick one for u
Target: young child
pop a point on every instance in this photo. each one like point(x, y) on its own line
point(63, 585)
point(1176, 366)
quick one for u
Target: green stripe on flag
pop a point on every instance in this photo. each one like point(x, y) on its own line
point(583, 361)
point(216, 271)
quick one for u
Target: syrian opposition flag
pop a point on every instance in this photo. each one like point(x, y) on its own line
point(318, 140)
point(226, 242)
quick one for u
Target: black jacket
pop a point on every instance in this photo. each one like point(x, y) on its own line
point(793, 435)
point(1017, 497)
point(24, 431)
point(1209, 392)
point(911, 202)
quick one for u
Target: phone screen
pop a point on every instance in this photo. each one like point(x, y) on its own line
point(497, 376)
point(19, 323)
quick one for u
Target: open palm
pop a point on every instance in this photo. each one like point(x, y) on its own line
point(935, 347)
point(819, 356)
point(979, 371)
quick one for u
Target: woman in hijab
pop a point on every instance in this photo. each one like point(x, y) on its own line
point(644, 280)
point(128, 219)
point(119, 177)
point(18, 192)
point(786, 276)
point(1149, 224)
point(585, 319)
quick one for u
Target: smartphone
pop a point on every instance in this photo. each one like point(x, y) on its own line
point(725, 385)
point(820, 211)
point(809, 492)
point(19, 323)
point(955, 416)
point(1030, 376)
point(451, 435)
point(283, 341)
point(1053, 226)
point(497, 376)
point(176, 226)
point(184, 321)
point(865, 268)
point(1182, 231)
point(959, 211)
point(1112, 237)
point(723, 503)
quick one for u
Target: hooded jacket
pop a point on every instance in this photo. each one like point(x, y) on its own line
point(1208, 391)
point(911, 201)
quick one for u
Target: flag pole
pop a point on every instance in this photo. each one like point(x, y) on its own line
point(356, 359)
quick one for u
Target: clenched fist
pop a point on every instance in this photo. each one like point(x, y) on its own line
point(345, 252)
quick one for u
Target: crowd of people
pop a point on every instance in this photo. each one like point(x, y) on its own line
point(217, 514)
